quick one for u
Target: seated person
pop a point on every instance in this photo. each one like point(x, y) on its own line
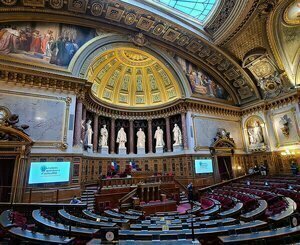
point(75, 200)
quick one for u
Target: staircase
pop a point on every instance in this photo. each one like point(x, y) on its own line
point(123, 202)
point(183, 198)
point(88, 197)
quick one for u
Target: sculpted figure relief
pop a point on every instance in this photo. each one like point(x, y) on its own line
point(177, 136)
point(141, 138)
point(159, 136)
point(121, 138)
point(88, 133)
point(103, 136)
point(255, 134)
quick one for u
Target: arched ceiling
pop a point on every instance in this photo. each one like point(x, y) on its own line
point(161, 28)
point(130, 77)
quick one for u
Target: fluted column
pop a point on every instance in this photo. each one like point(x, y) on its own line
point(150, 137)
point(184, 131)
point(78, 118)
point(131, 137)
point(112, 135)
point(96, 130)
point(168, 134)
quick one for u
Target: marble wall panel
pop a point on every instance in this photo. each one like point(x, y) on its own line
point(44, 114)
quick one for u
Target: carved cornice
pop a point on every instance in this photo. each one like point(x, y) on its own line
point(25, 77)
point(131, 18)
point(182, 105)
point(273, 104)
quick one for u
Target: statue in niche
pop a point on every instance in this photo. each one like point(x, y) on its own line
point(121, 138)
point(82, 132)
point(177, 136)
point(285, 122)
point(141, 138)
point(103, 136)
point(88, 133)
point(255, 134)
point(159, 136)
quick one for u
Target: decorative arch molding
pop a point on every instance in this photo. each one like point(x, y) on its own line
point(90, 51)
point(159, 28)
point(223, 143)
point(279, 47)
point(94, 48)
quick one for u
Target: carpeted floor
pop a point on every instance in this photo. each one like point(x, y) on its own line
point(183, 207)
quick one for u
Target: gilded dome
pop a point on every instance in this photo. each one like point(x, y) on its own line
point(132, 77)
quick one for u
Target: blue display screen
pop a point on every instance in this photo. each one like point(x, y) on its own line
point(203, 166)
point(49, 172)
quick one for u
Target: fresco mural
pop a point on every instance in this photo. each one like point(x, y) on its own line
point(46, 43)
point(200, 82)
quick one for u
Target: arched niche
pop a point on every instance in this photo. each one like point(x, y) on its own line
point(255, 134)
point(283, 32)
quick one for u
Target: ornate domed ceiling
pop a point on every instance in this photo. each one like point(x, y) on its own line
point(131, 77)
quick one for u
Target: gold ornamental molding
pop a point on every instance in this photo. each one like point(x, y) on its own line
point(269, 105)
point(177, 107)
point(125, 17)
point(25, 77)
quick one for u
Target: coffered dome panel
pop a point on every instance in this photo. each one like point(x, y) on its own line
point(129, 77)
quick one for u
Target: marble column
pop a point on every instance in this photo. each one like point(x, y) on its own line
point(112, 135)
point(83, 113)
point(131, 137)
point(78, 118)
point(168, 134)
point(184, 131)
point(95, 134)
point(150, 137)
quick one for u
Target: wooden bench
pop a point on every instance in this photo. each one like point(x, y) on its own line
point(76, 230)
point(39, 238)
point(94, 216)
point(262, 235)
point(85, 222)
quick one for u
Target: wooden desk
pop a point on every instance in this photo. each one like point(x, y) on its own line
point(94, 216)
point(256, 212)
point(133, 234)
point(37, 237)
point(115, 214)
point(151, 208)
point(160, 242)
point(292, 206)
point(84, 222)
point(79, 231)
point(5, 221)
point(266, 235)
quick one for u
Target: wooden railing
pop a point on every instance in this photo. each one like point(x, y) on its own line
point(182, 187)
point(133, 181)
point(128, 196)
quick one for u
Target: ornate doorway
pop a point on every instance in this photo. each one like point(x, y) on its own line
point(222, 150)
point(15, 146)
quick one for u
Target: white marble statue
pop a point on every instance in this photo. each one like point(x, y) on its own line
point(88, 133)
point(103, 136)
point(159, 136)
point(141, 138)
point(257, 133)
point(121, 138)
point(82, 132)
point(177, 136)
